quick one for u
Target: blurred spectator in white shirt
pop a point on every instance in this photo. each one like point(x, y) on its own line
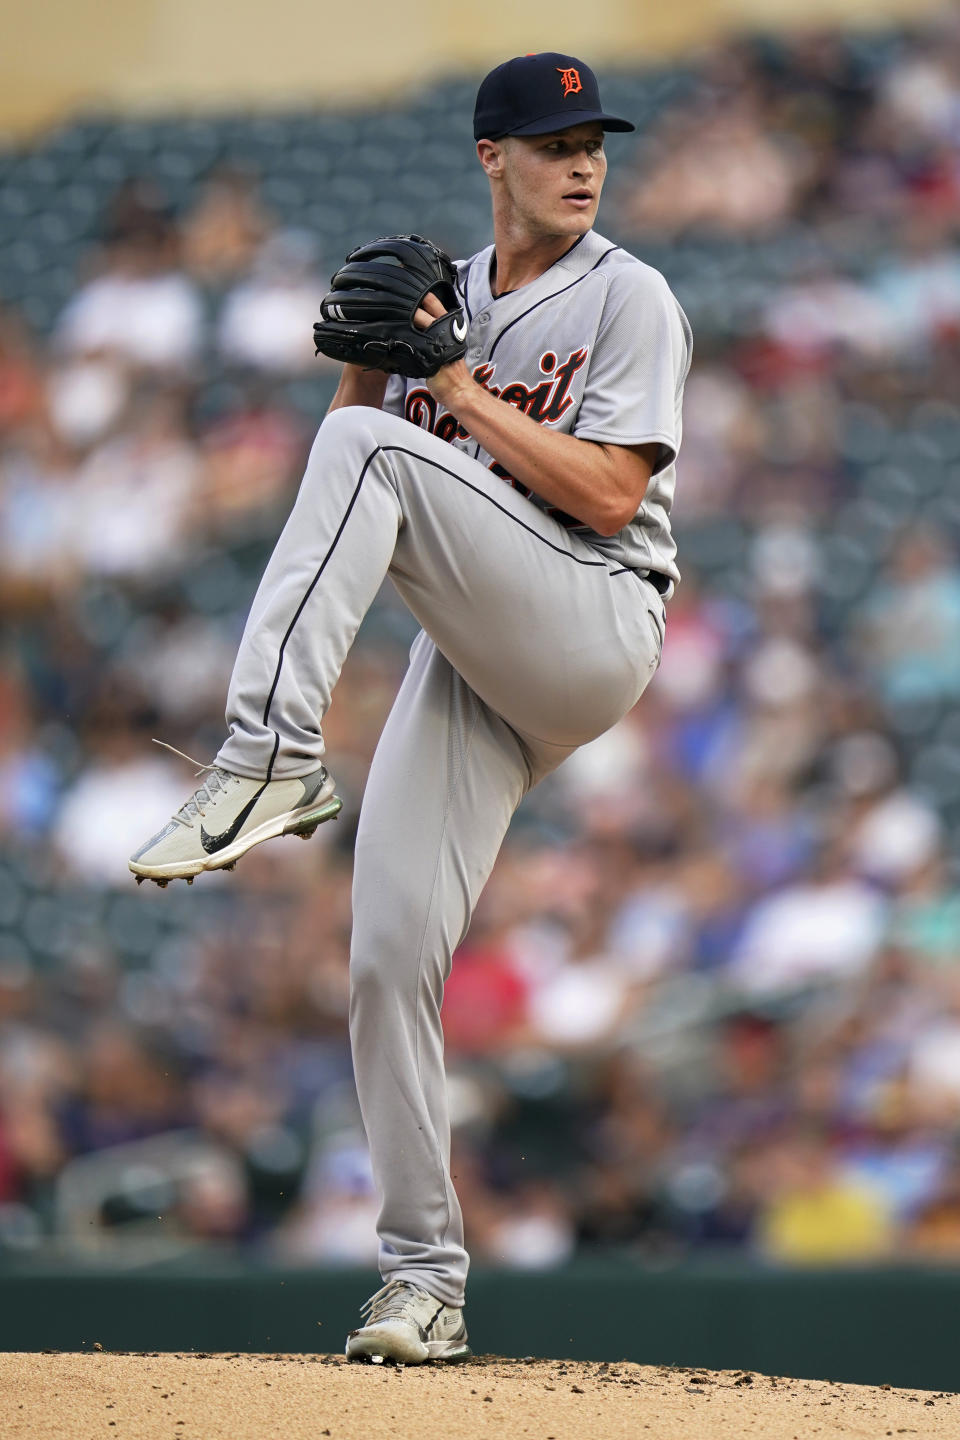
point(921, 90)
point(97, 807)
point(134, 493)
point(827, 928)
point(267, 321)
point(141, 306)
point(586, 999)
point(86, 396)
point(536, 1232)
point(335, 1219)
point(919, 284)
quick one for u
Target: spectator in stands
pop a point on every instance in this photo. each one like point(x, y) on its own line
point(812, 1215)
point(134, 496)
point(918, 284)
point(933, 1234)
point(910, 629)
point(20, 384)
point(115, 761)
point(38, 479)
point(141, 307)
point(124, 1092)
point(484, 998)
point(921, 88)
point(535, 1230)
point(718, 170)
point(334, 1219)
point(825, 928)
point(224, 229)
point(252, 458)
point(925, 918)
point(265, 321)
point(933, 1059)
point(751, 1093)
point(86, 397)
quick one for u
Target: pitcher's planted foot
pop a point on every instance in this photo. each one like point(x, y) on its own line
point(408, 1325)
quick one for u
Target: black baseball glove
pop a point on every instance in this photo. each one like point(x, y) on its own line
point(368, 312)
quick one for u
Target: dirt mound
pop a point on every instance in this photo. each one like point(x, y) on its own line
point(303, 1397)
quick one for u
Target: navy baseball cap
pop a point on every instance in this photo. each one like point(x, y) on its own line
point(535, 94)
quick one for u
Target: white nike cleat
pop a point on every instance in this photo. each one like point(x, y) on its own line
point(229, 814)
point(409, 1326)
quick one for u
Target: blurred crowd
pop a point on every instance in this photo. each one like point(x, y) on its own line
point(711, 996)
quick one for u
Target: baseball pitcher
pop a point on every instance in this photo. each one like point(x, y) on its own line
point(502, 445)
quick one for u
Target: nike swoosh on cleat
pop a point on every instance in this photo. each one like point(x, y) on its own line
point(213, 843)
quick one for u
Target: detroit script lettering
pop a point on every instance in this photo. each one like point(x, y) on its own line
point(546, 403)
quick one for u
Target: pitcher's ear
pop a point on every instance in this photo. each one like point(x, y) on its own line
point(491, 155)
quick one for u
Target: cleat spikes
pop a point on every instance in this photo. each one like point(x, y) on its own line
point(305, 834)
point(231, 866)
point(189, 879)
point(162, 883)
point(140, 879)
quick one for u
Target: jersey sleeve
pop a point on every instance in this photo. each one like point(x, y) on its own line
point(395, 397)
point(641, 356)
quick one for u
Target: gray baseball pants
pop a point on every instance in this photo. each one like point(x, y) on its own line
point(533, 643)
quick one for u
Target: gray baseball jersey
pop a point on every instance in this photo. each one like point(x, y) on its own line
point(597, 347)
point(538, 635)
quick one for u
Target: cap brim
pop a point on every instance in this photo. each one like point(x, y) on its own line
point(566, 119)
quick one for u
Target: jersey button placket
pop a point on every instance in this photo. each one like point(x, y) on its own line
point(480, 322)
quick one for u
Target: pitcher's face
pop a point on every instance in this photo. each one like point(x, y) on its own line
point(552, 183)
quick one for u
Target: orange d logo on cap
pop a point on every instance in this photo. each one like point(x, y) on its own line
point(570, 79)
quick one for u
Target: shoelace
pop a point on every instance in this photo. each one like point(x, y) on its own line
point(215, 783)
point(390, 1301)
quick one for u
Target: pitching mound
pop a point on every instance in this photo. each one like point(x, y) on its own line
point(304, 1397)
